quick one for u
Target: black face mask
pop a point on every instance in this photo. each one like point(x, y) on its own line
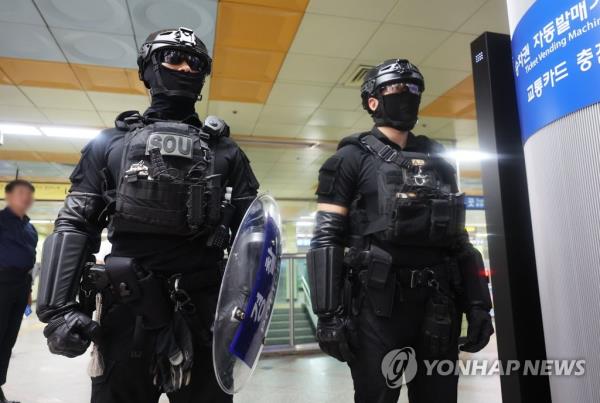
point(174, 93)
point(399, 111)
point(174, 83)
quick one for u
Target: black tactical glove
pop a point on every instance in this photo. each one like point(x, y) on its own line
point(479, 331)
point(70, 333)
point(334, 334)
point(174, 356)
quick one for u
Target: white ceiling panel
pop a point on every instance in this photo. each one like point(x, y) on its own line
point(97, 48)
point(88, 15)
point(438, 81)
point(152, 15)
point(21, 114)
point(394, 41)
point(364, 123)
point(13, 142)
point(324, 132)
point(312, 69)
point(19, 11)
point(462, 128)
point(108, 118)
point(375, 10)
point(276, 130)
point(49, 144)
point(11, 95)
point(241, 127)
point(29, 42)
point(107, 101)
point(73, 117)
point(241, 113)
point(336, 118)
point(286, 94)
point(55, 98)
point(444, 14)
point(342, 98)
point(303, 156)
point(325, 35)
point(430, 125)
point(455, 53)
point(285, 114)
point(492, 17)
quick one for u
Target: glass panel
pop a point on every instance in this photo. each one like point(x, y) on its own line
point(279, 330)
point(304, 319)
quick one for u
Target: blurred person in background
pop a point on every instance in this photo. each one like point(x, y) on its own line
point(18, 240)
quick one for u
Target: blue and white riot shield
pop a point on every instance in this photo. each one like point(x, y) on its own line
point(247, 295)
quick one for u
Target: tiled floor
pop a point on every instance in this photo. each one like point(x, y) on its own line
point(36, 376)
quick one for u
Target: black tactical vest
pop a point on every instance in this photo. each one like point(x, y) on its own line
point(416, 204)
point(166, 183)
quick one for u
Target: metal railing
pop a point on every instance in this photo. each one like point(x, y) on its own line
point(296, 296)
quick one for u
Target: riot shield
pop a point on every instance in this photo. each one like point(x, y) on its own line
point(247, 295)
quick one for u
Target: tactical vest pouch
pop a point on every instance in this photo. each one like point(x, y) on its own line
point(142, 292)
point(379, 282)
point(429, 222)
point(152, 207)
point(166, 184)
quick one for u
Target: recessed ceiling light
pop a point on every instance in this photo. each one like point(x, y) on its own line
point(17, 129)
point(72, 132)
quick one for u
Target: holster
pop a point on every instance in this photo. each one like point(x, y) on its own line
point(140, 290)
point(379, 281)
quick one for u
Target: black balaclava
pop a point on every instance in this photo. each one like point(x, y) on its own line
point(399, 111)
point(171, 106)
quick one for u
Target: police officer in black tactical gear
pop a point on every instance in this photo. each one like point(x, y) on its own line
point(171, 190)
point(390, 264)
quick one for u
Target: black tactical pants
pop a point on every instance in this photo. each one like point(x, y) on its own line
point(128, 379)
point(379, 335)
point(13, 300)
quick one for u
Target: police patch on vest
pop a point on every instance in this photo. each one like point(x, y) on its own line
point(176, 145)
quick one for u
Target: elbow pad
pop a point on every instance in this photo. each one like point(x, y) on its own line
point(82, 213)
point(330, 230)
point(474, 279)
point(325, 268)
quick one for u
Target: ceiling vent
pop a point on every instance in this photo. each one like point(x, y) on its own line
point(355, 79)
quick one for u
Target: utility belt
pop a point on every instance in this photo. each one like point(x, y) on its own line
point(382, 282)
point(152, 297)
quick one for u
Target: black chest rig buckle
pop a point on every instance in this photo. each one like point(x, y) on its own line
point(167, 183)
point(414, 203)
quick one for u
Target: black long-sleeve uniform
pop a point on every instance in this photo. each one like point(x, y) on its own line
point(351, 178)
point(127, 376)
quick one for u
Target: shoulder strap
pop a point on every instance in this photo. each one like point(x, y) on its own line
point(385, 152)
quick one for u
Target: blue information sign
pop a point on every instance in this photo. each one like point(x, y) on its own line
point(556, 61)
point(474, 203)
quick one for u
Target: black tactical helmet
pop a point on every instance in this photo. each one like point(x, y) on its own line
point(389, 72)
point(182, 39)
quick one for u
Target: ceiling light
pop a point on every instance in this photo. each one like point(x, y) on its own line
point(467, 155)
point(304, 223)
point(23, 130)
point(72, 132)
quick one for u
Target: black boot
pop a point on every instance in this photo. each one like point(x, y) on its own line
point(3, 398)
